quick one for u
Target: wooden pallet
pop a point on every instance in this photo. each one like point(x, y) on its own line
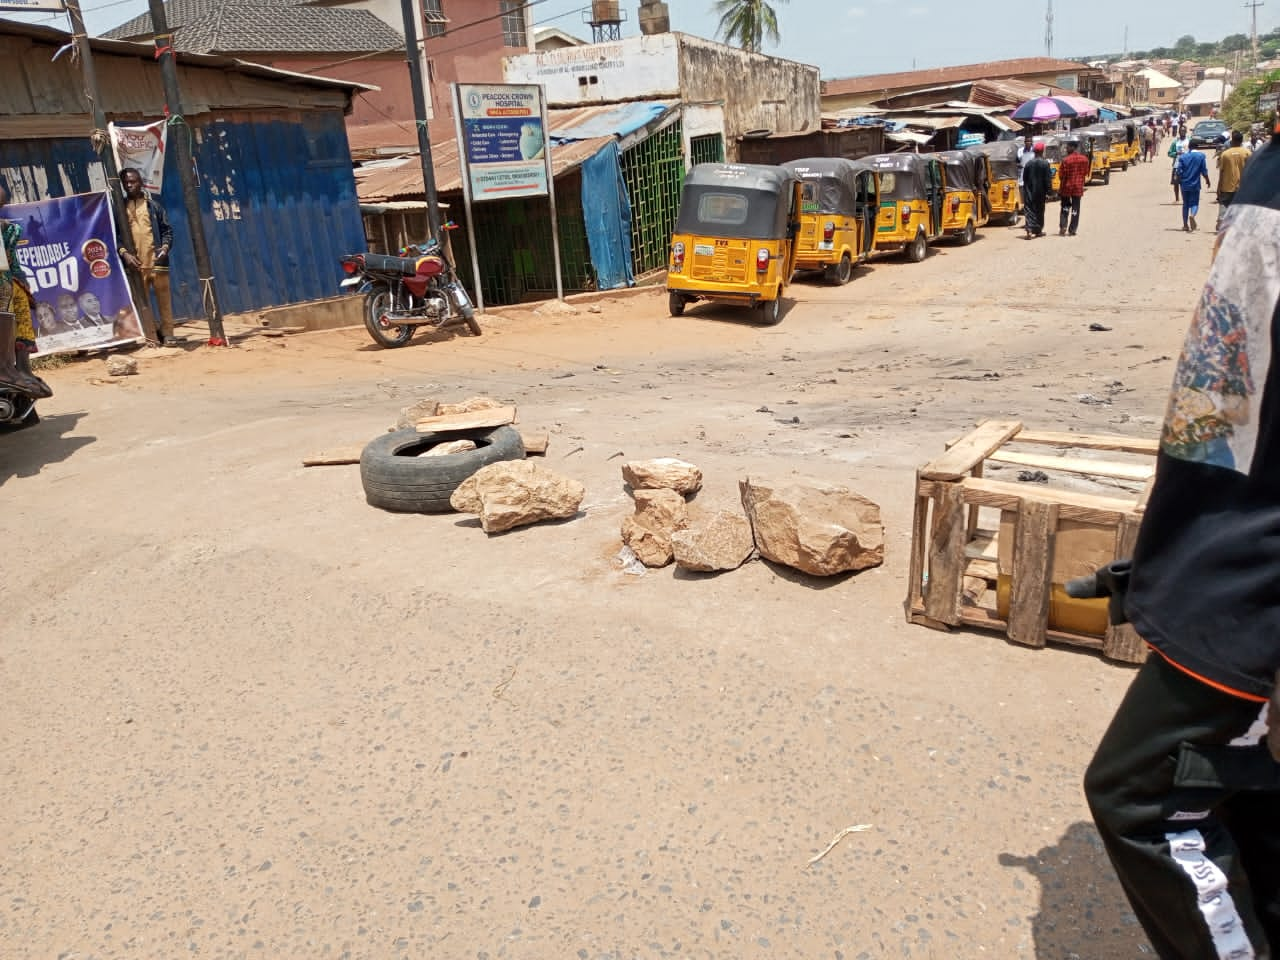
point(970, 567)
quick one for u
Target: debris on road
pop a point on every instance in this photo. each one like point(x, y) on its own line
point(339, 456)
point(448, 447)
point(815, 527)
point(860, 828)
point(470, 405)
point(1099, 328)
point(472, 420)
point(717, 541)
point(630, 563)
point(535, 444)
point(122, 366)
point(410, 415)
point(1033, 476)
point(516, 493)
point(659, 514)
point(663, 473)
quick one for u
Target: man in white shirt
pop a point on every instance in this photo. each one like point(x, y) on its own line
point(1026, 153)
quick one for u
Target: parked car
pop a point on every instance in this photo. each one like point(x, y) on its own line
point(1210, 133)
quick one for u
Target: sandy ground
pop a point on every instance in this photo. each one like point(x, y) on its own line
point(247, 715)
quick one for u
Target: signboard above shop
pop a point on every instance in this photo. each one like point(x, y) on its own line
point(505, 142)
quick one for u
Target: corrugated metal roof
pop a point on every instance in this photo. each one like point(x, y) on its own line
point(973, 71)
point(267, 26)
point(402, 180)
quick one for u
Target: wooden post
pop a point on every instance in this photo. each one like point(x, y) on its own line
point(1123, 642)
point(946, 556)
point(187, 173)
point(1032, 572)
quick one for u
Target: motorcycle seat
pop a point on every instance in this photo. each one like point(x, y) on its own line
point(381, 263)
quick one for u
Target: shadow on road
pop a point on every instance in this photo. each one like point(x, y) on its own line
point(1083, 911)
point(24, 453)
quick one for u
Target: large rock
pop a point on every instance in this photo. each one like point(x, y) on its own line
point(815, 527)
point(719, 541)
point(410, 415)
point(470, 405)
point(448, 448)
point(515, 493)
point(665, 473)
point(118, 366)
point(659, 514)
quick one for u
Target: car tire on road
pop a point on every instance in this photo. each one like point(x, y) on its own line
point(840, 273)
point(396, 478)
point(676, 304)
point(771, 310)
point(918, 248)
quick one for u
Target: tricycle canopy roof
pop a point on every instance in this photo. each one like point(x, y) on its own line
point(959, 167)
point(1003, 155)
point(736, 201)
point(909, 173)
point(836, 179)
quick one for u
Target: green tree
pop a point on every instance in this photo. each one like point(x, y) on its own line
point(745, 23)
point(1160, 53)
point(1241, 107)
point(1205, 50)
point(1237, 41)
point(1185, 45)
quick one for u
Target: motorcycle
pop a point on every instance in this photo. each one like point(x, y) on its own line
point(403, 293)
point(17, 410)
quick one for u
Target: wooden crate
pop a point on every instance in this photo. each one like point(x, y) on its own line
point(963, 565)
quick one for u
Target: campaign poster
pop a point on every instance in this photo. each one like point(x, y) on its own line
point(142, 149)
point(505, 143)
point(80, 295)
point(33, 5)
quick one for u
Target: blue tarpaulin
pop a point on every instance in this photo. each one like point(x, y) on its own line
point(606, 212)
point(621, 120)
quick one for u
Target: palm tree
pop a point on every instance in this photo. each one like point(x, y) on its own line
point(744, 23)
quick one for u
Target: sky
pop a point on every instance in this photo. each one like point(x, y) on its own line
point(851, 37)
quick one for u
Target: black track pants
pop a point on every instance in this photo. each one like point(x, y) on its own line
point(1187, 800)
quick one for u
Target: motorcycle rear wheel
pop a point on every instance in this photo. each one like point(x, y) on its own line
point(377, 303)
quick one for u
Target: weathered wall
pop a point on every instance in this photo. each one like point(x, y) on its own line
point(633, 69)
point(701, 120)
point(758, 92)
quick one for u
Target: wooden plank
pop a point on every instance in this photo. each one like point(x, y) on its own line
point(336, 457)
point(960, 460)
point(987, 569)
point(1082, 465)
point(535, 444)
point(946, 555)
point(981, 545)
point(1145, 495)
point(475, 420)
point(1073, 505)
point(1086, 441)
point(1032, 566)
point(1123, 643)
point(919, 544)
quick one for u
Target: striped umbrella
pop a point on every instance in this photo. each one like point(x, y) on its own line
point(1044, 110)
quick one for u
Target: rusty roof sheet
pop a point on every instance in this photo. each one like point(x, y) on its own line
point(973, 71)
point(402, 180)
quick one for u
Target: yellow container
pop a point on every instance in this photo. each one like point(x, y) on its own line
point(1065, 613)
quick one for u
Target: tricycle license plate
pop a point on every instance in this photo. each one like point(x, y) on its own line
point(704, 250)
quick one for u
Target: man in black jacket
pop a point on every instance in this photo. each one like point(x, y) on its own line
point(1185, 786)
point(152, 241)
point(1037, 181)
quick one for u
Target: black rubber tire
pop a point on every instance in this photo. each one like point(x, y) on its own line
point(676, 304)
point(390, 337)
point(918, 248)
point(395, 479)
point(473, 325)
point(967, 234)
point(840, 273)
point(771, 311)
point(1106, 176)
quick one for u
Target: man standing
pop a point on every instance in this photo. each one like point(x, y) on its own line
point(152, 239)
point(1147, 136)
point(1230, 166)
point(1073, 172)
point(1037, 179)
point(1177, 147)
point(1183, 786)
point(1191, 166)
point(1026, 153)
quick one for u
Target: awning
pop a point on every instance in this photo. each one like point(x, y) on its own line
point(909, 136)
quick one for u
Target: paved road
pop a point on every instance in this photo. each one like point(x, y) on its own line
point(246, 715)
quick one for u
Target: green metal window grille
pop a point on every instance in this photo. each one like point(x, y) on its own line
point(513, 241)
point(708, 149)
point(654, 173)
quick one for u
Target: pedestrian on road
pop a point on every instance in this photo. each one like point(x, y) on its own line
point(1230, 166)
point(1147, 136)
point(1073, 173)
point(1026, 153)
point(1190, 167)
point(1037, 178)
point(152, 241)
point(1183, 786)
point(1177, 147)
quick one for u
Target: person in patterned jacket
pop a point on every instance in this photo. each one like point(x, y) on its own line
point(1185, 785)
point(1073, 173)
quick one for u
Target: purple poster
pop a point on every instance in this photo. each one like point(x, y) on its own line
point(80, 295)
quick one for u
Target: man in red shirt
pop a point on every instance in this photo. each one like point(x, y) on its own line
point(1073, 172)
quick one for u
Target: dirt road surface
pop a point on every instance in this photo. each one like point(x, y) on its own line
point(247, 715)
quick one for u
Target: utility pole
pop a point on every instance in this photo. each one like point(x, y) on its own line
point(187, 172)
point(1124, 50)
point(1253, 7)
point(411, 11)
point(1048, 30)
point(102, 146)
